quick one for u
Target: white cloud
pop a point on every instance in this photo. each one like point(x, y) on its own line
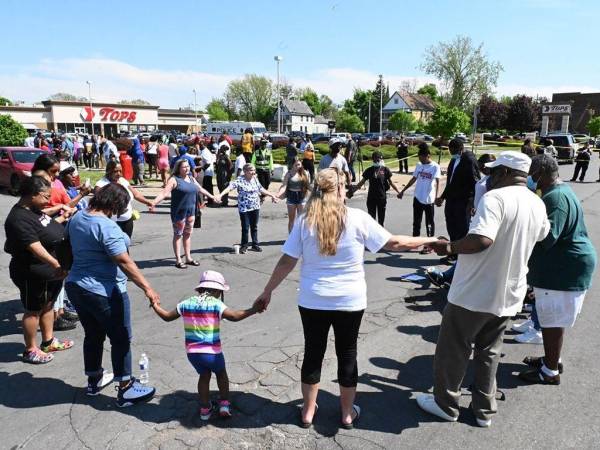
point(113, 80)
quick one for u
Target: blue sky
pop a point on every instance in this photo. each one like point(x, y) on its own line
point(160, 50)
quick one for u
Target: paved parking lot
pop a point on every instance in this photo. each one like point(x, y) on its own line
point(45, 406)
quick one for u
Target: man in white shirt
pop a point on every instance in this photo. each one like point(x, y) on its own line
point(208, 160)
point(110, 150)
point(29, 141)
point(335, 159)
point(239, 164)
point(488, 288)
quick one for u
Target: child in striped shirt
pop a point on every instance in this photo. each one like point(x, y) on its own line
point(202, 314)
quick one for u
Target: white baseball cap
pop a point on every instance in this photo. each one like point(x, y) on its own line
point(512, 160)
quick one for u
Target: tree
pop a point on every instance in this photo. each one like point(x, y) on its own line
point(463, 68)
point(447, 121)
point(12, 133)
point(430, 90)
point(5, 102)
point(253, 97)
point(593, 126)
point(286, 90)
point(523, 114)
point(328, 108)
point(377, 101)
point(402, 121)
point(65, 97)
point(217, 110)
point(492, 113)
point(137, 101)
point(349, 122)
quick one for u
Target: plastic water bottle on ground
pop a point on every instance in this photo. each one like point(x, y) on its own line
point(144, 369)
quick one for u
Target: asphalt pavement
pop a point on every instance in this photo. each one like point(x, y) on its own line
point(45, 406)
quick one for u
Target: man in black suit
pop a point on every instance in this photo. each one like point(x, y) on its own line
point(462, 175)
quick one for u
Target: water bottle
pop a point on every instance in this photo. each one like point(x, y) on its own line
point(144, 369)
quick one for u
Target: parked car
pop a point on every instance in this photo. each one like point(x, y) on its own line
point(279, 140)
point(581, 137)
point(565, 145)
point(16, 164)
point(296, 134)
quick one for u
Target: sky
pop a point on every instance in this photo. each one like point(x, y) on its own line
point(161, 51)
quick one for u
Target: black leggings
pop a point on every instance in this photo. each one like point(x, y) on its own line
point(126, 226)
point(376, 209)
point(316, 324)
point(418, 209)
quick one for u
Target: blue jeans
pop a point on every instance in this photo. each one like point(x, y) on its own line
point(249, 220)
point(100, 317)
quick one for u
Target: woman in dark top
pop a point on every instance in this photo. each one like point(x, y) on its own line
point(184, 190)
point(32, 238)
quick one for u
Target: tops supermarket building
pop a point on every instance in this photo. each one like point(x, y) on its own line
point(109, 119)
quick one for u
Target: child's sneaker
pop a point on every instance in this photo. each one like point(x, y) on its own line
point(224, 409)
point(206, 413)
point(95, 385)
point(134, 393)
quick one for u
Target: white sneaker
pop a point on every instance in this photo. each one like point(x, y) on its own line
point(522, 327)
point(134, 393)
point(427, 403)
point(484, 423)
point(94, 388)
point(530, 337)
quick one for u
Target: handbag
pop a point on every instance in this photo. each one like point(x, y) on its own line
point(64, 251)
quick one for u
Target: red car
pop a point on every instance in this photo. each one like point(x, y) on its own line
point(16, 164)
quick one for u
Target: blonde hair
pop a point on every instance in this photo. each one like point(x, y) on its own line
point(325, 211)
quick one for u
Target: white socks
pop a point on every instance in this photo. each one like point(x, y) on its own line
point(548, 372)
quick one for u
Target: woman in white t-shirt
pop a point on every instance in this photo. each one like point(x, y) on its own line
point(331, 238)
point(114, 174)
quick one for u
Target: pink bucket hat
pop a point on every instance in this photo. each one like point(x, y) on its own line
point(212, 280)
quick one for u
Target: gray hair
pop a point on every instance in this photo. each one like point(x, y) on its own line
point(545, 165)
point(248, 166)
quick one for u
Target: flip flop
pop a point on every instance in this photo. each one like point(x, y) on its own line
point(181, 265)
point(193, 262)
point(304, 424)
point(350, 426)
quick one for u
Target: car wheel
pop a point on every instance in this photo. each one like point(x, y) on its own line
point(15, 184)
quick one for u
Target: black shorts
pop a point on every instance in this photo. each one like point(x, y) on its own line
point(36, 294)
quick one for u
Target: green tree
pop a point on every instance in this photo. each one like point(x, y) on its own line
point(402, 121)
point(137, 101)
point(328, 108)
point(430, 90)
point(447, 121)
point(253, 97)
point(310, 97)
point(593, 126)
point(5, 102)
point(65, 97)
point(463, 68)
point(217, 110)
point(12, 133)
point(349, 122)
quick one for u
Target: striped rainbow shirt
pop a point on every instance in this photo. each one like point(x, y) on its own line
point(201, 318)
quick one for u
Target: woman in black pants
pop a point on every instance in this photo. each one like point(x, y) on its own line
point(330, 238)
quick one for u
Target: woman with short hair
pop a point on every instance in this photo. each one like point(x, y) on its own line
point(183, 188)
point(331, 238)
point(97, 287)
point(249, 191)
point(32, 239)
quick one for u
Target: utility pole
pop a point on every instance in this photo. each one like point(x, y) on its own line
point(369, 124)
point(278, 59)
point(195, 113)
point(89, 83)
point(380, 107)
point(475, 113)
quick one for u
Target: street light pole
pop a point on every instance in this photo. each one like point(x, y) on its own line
point(195, 113)
point(381, 107)
point(369, 124)
point(278, 59)
point(89, 83)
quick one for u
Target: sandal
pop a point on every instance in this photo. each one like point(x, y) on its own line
point(349, 426)
point(37, 357)
point(304, 424)
point(57, 345)
point(181, 265)
point(193, 262)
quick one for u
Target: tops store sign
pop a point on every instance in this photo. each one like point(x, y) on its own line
point(556, 109)
point(107, 114)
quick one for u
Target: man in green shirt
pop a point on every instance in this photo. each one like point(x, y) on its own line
point(560, 268)
point(262, 158)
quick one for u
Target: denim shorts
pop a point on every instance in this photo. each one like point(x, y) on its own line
point(294, 198)
point(207, 362)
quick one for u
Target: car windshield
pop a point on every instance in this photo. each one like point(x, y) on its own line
point(259, 130)
point(560, 141)
point(26, 157)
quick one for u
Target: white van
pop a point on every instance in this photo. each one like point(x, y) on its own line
point(341, 136)
point(235, 129)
